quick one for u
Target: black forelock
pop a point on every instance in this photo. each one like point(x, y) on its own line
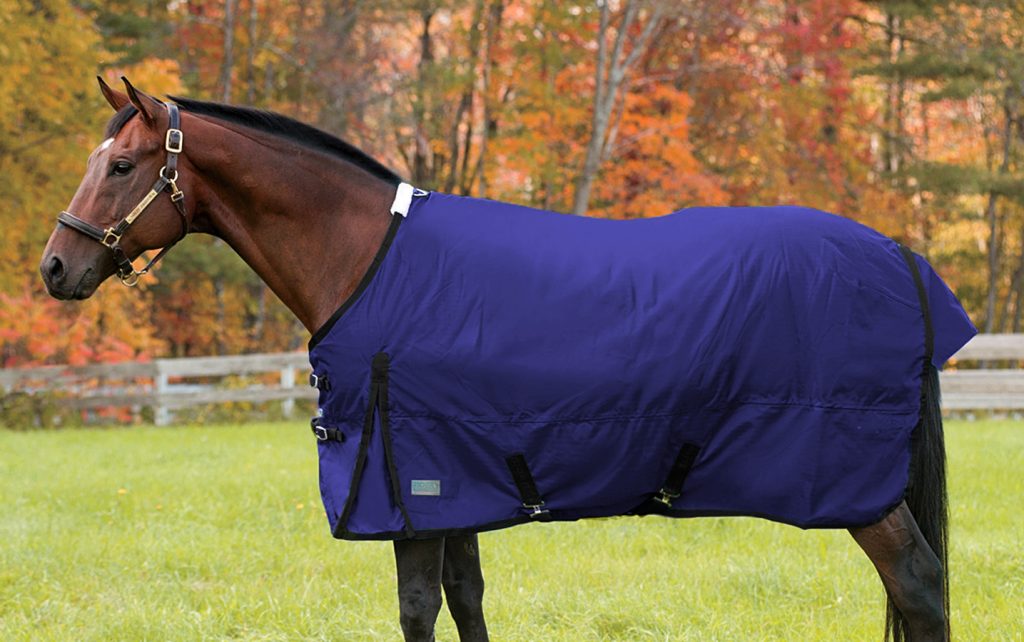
point(288, 128)
point(119, 120)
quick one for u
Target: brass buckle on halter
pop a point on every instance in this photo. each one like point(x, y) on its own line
point(110, 238)
point(174, 141)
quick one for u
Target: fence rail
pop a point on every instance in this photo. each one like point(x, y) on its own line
point(988, 376)
point(158, 384)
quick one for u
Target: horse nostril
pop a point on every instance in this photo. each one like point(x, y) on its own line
point(56, 270)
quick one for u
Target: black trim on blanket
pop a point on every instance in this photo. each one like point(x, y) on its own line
point(673, 513)
point(363, 283)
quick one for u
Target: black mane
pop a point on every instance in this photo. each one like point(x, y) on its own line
point(274, 124)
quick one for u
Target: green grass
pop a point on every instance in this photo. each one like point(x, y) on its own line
point(218, 533)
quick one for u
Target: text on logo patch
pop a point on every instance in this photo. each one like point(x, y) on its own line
point(428, 487)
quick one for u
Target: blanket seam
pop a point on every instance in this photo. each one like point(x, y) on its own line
point(663, 415)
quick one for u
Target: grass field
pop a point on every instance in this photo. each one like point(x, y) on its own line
point(218, 533)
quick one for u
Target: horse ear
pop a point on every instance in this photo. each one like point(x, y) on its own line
point(116, 99)
point(140, 101)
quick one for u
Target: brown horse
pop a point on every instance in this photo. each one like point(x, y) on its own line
point(308, 213)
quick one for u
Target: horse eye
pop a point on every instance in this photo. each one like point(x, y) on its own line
point(121, 168)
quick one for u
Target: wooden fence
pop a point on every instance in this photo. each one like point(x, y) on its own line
point(987, 375)
point(166, 385)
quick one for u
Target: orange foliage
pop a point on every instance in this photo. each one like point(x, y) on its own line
point(742, 103)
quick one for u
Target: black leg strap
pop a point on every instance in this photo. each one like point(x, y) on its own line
point(357, 471)
point(677, 474)
point(527, 486)
point(381, 365)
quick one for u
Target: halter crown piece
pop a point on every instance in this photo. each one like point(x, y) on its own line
point(174, 141)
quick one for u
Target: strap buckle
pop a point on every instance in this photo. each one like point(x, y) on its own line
point(110, 238)
point(665, 497)
point(318, 430)
point(536, 510)
point(320, 382)
point(174, 141)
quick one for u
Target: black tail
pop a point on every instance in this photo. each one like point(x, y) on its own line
point(926, 495)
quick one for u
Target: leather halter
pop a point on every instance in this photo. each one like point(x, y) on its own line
point(167, 182)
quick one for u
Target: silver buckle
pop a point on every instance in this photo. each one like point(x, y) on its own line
point(174, 136)
point(320, 432)
point(536, 510)
point(314, 380)
point(665, 497)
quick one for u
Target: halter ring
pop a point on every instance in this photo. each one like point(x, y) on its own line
point(131, 279)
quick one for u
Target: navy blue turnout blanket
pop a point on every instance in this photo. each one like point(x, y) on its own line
point(499, 364)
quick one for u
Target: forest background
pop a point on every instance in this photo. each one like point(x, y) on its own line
point(906, 116)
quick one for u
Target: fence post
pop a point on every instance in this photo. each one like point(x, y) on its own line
point(288, 382)
point(161, 413)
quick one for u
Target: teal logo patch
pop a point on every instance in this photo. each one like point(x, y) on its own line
point(426, 487)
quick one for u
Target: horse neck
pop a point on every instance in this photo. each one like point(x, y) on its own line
point(307, 223)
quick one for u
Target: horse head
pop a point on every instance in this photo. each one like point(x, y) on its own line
point(134, 171)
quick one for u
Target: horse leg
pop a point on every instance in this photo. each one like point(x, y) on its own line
point(910, 571)
point(463, 583)
point(419, 565)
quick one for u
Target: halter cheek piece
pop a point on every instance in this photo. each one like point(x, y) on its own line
point(167, 182)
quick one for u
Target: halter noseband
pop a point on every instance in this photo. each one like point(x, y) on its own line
point(174, 141)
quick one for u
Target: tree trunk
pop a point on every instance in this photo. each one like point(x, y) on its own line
point(421, 162)
point(490, 124)
point(992, 216)
point(229, 51)
point(993, 261)
point(1015, 325)
point(250, 54)
point(1005, 310)
point(611, 72)
point(455, 151)
point(259, 329)
point(599, 123)
point(890, 97)
point(189, 66)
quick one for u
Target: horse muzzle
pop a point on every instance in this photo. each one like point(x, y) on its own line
point(61, 283)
